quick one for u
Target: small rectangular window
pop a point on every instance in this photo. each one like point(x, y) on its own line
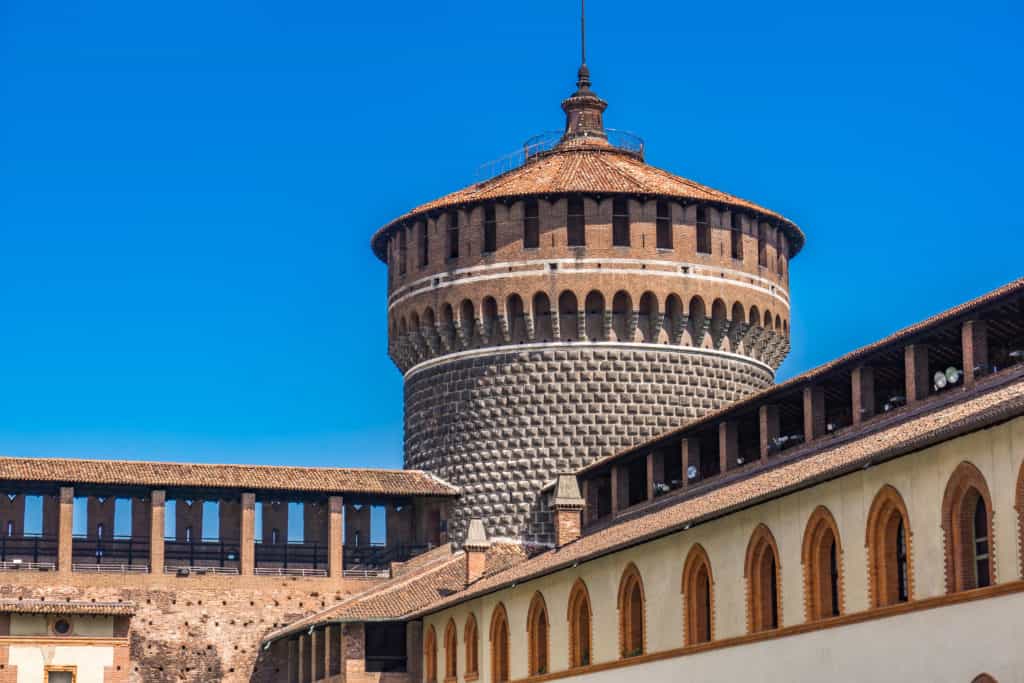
point(576, 225)
point(424, 244)
point(531, 225)
point(402, 248)
point(620, 222)
point(703, 231)
point(490, 229)
point(762, 245)
point(663, 225)
point(453, 235)
point(736, 236)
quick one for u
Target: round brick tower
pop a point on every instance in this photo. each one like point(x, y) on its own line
point(576, 303)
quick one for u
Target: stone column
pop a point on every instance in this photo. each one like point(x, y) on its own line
point(65, 529)
point(862, 381)
point(335, 539)
point(247, 535)
point(768, 419)
point(157, 515)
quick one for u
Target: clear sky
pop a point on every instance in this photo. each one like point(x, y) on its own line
point(187, 189)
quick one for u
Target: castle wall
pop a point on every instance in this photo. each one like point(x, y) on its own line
point(501, 425)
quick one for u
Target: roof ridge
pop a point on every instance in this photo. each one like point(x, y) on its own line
point(247, 466)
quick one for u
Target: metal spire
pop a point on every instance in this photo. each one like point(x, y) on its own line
point(583, 31)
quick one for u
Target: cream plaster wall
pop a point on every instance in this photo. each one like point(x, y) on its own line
point(82, 626)
point(921, 480)
point(89, 661)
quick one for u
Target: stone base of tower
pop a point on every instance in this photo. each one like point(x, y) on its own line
point(502, 423)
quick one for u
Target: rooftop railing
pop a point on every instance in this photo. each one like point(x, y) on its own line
point(540, 144)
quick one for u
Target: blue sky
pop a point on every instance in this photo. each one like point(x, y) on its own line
point(187, 190)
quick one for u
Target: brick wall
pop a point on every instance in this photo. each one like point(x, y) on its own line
point(196, 629)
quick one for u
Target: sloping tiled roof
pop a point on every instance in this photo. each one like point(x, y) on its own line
point(66, 607)
point(410, 591)
point(897, 338)
point(250, 477)
point(918, 432)
point(592, 170)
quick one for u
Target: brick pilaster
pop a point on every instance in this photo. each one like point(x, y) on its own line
point(974, 342)
point(157, 515)
point(335, 537)
point(862, 393)
point(768, 427)
point(65, 528)
point(247, 535)
point(814, 412)
point(915, 365)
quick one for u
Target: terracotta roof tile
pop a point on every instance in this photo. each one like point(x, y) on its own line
point(394, 600)
point(916, 433)
point(592, 170)
point(66, 607)
point(250, 477)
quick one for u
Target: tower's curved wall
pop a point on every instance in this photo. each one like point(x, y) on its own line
point(524, 361)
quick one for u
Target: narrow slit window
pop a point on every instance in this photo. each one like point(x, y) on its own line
point(703, 231)
point(531, 224)
point(453, 235)
point(402, 247)
point(762, 245)
point(736, 236)
point(981, 553)
point(620, 222)
point(663, 226)
point(424, 244)
point(903, 585)
point(490, 230)
point(576, 226)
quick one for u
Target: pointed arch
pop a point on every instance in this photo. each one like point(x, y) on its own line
point(967, 525)
point(538, 631)
point(631, 602)
point(889, 542)
point(430, 655)
point(698, 597)
point(764, 586)
point(471, 639)
point(581, 619)
point(822, 559)
point(451, 654)
point(499, 645)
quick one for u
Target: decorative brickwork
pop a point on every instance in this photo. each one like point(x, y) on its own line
point(502, 426)
point(890, 561)
point(822, 547)
point(632, 613)
point(965, 489)
point(698, 597)
point(764, 581)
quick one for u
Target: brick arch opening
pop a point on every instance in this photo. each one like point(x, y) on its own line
point(467, 322)
point(631, 603)
point(516, 319)
point(647, 317)
point(499, 645)
point(622, 313)
point(568, 316)
point(719, 317)
point(538, 631)
point(594, 310)
point(543, 330)
point(697, 317)
point(672, 321)
point(581, 618)
point(430, 656)
point(698, 597)
point(822, 558)
point(451, 655)
point(489, 320)
point(471, 639)
point(764, 581)
point(888, 539)
point(967, 514)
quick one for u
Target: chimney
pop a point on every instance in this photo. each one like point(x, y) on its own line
point(476, 547)
point(568, 507)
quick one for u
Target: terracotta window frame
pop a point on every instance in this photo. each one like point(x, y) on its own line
point(764, 591)
point(471, 638)
point(1019, 507)
point(632, 629)
point(698, 604)
point(451, 654)
point(824, 596)
point(430, 655)
point(964, 489)
point(581, 635)
point(73, 670)
point(881, 542)
point(499, 645)
point(983, 678)
point(538, 636)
